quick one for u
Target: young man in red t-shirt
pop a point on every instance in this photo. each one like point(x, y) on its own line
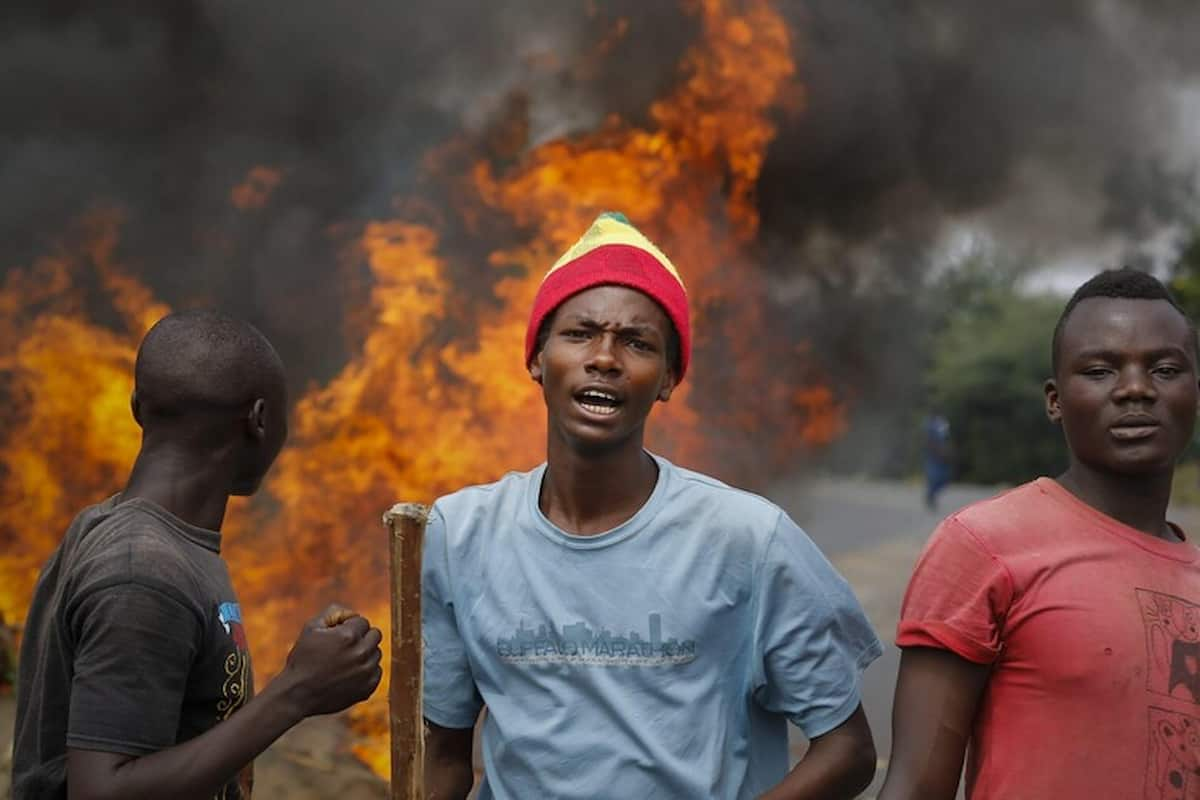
point(1055, 629)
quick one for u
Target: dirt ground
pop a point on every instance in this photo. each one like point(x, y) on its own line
point(872, 531)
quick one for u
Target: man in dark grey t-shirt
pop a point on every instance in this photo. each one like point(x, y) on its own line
point(134, 677)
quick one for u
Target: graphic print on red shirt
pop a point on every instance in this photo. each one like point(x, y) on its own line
point(1172, 645)
point(1174, 763)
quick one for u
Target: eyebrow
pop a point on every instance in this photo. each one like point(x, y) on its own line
point(582, 321)
point(1113, 355)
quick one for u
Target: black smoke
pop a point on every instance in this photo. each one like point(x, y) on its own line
point(1048, 126)
point(1041, 122)
point(159, 109)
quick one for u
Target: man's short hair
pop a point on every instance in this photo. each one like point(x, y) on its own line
point(1124, 284)
point(197, 359)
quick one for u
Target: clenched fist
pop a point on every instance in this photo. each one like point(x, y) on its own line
point(334, 663)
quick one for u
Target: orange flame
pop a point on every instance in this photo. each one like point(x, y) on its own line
point(69, 436)
point(423, 409)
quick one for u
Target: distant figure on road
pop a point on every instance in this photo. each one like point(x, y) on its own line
point(1068, 610)
point(135, 676)
point(938, 457)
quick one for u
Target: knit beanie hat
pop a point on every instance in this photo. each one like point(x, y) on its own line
point(613, 252)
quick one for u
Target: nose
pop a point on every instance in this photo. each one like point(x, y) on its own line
point(602, 355)
point(1135, 383)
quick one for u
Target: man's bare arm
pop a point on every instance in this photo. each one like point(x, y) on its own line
point(330, 668)
point(448, 771)
point(937, 695)
point(839, 764)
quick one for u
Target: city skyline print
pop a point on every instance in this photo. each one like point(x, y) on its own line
point(578, 643)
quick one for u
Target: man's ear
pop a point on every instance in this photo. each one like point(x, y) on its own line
point(669, 384)
point(1053, 408)
point(535, 368)
point(256, 420)
point(135, 407)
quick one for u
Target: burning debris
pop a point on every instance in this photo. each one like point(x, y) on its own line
point(438, 366)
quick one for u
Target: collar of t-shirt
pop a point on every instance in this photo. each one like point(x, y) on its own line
point(1182, 550)
point(629, 528)
point(202, 537)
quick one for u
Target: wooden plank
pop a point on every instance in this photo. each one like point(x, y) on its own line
point(406, 528)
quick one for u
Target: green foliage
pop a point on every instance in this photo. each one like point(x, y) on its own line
point(990, 358)
point(1185, 275)
point(1185, 488)
point(969, 343)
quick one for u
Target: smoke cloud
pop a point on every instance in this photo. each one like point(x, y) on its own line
point(1045, 125)
point(161, 110)
point(1051, 128)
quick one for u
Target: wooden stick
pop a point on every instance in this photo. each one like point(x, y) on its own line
point(406, 526)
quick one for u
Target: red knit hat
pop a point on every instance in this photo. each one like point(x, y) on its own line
point(613, 252)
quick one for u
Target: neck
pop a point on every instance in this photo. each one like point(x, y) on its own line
point(590, 493)
point(1137, 501)
point(193, 486)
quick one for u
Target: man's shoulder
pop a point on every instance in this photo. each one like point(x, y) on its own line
point(702, 485)
point(502, 496)
point(712, 500)
point(1023, 510)
point(126, 543)
point(124, 524)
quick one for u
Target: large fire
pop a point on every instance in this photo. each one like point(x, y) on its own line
point(435, 397)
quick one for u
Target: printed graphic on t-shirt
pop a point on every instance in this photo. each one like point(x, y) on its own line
point(1172, 645)
point(235, 689)
point(578, 643)
point(236, 686)
point(230, 615)
point(1174, 763)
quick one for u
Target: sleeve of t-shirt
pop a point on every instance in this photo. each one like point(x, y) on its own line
point(812, 638)
point(958, 596)
point(451, 698)
point(134, 650)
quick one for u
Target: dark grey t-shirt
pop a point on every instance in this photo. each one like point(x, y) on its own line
point(133, 643)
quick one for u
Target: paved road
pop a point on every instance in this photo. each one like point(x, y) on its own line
point(844, 516)
point(873, 532)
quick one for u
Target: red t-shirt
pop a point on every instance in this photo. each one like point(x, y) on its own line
point(1093, 631)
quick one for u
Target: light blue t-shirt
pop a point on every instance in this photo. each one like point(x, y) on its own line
point(658, 660)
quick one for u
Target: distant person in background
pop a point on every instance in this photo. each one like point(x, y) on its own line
point(135, 678)
point(1053, 632)
point(938, 458)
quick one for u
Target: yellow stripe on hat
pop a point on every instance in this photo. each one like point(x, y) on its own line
point(614, 228)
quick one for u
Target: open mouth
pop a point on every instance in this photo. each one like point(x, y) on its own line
point(599, 402)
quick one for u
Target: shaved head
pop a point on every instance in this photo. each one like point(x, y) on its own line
point(208, 384)
point(203, 360)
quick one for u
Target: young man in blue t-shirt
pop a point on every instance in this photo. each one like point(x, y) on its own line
point(636, 630)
